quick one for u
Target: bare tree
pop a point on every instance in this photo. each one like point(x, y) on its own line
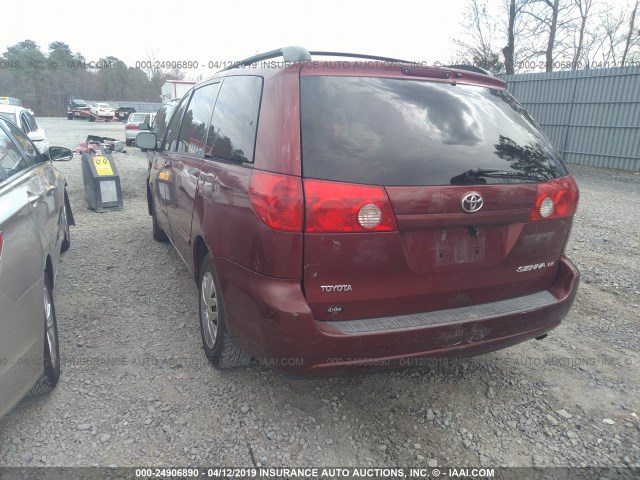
point(584, 8)
point(509, 50)
point(477, 45)
point(630, 34)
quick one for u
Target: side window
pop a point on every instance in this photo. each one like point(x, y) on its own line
point(31, 122)
point(196, 119)
point(171, 137)
point(11, 160)
point(32, 154)
point(232, 134)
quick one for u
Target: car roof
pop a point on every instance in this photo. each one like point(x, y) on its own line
point(354, 64)
point(12, 109)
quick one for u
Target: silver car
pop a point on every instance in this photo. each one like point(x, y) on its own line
point(26, 122)
point(132, 127)
point(34, 228)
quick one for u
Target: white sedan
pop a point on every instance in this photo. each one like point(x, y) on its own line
point(103, 110)
point(26, 122)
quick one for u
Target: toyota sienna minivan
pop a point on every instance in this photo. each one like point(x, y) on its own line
point(345, 212)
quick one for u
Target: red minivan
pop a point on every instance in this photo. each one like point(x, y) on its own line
point(343, 212)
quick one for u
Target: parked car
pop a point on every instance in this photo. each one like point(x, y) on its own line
point(103, 110)
point(132, 127)
point(122, 113)
point(362, 214)
point(35, 215)
point(26, 122)
point(159, 125)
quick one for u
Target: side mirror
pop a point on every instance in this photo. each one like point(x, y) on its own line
point(146, 140)
point(60, 154)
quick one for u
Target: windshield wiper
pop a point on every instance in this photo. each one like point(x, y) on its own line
point(477, 175)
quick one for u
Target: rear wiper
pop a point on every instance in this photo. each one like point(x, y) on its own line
point(481, 173)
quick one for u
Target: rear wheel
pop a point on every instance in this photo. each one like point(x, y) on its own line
point(91, 118)
point(51, 373)
point(217, 343)
point(129, 142)
point(69, 116)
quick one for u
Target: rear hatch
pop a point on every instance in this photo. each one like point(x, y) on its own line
point(423, 195)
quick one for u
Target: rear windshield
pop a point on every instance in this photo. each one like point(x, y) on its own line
point(138, 118)
point(383, 131)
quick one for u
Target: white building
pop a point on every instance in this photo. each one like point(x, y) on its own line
point(175, 89)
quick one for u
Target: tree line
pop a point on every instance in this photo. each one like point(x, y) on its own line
point(547, 35)
point(45, 81)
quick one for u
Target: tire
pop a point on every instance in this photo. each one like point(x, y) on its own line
point(49, 378)
point(66, 241)
point(159, 234)
point(217, 343)
point(92, 119)
point(69, 116)
point(128, 142)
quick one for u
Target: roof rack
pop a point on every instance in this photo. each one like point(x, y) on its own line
point(289, 54)
point(300, 54)
point(470, 68)
point(360, 55)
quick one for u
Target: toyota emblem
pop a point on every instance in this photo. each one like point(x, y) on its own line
point(472, 202)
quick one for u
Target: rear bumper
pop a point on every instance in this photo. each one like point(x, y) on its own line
point(270, 319)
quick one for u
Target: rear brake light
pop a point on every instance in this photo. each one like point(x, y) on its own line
point(556, 199)
point(345, 207)
point(277, 200)
point(131, 127)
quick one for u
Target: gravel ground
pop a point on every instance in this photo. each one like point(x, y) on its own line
point(136, 388)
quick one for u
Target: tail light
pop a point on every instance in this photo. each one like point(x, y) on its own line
point(277, 200)
point(345, 207)
point(131, 126)
point(556, 199)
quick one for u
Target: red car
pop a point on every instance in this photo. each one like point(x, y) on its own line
point(369, 213)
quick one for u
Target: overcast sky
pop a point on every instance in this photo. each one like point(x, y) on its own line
point(222, 31)
point(232, 30)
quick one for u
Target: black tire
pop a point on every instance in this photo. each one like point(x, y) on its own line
point(128, 142)
point(91, 118)
point(217, 343)
point(66, 241)
point(49, 378)
point(69, 116)
point(159, 234)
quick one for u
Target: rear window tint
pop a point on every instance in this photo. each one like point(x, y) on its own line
point(138, 118)
point(406, 132)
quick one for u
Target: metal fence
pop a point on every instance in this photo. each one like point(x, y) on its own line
point(592, 117)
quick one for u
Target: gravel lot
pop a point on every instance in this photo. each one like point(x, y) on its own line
point(137, 390)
